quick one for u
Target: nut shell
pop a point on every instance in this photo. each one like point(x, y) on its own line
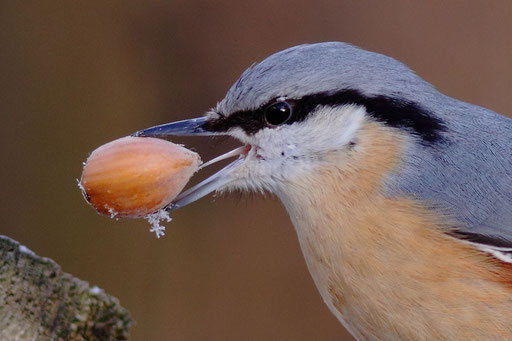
point(134, 176)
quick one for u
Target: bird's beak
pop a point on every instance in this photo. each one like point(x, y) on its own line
point(190, 127)
point(194, 127)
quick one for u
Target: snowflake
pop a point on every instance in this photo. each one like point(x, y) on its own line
point(154, 220)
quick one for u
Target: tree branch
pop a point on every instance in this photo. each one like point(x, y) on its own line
point(38, 301)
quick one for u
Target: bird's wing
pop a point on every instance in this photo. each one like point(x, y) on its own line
point(469, 175)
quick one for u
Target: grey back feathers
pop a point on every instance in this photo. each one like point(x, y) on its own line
point(467, 176)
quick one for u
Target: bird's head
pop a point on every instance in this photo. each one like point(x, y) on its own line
point(303, 109)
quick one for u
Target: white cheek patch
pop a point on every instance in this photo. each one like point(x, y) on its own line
point(327, 130)
point(287, 150)
point(331, 128)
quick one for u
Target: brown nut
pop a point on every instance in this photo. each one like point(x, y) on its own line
point(134, 176)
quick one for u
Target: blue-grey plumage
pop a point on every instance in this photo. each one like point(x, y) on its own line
point(467, 175)
point(304, 69)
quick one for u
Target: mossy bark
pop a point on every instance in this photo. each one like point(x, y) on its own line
point(38, 301)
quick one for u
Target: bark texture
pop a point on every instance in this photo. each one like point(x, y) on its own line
point(38, 301)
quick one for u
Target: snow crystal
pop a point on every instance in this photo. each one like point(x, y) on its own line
point(95, 290)
point(26, 250)
point(154, 220)
point(111, 211)
point(80, 186)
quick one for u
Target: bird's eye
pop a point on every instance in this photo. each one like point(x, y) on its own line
point(277, 113)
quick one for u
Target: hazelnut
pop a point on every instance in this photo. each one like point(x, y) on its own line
point(135, 176)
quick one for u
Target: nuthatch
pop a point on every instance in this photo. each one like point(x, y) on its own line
point(401, 196)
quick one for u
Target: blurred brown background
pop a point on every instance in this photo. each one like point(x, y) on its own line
point(76, 74)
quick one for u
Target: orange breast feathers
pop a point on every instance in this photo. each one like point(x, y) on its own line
point(386, 266)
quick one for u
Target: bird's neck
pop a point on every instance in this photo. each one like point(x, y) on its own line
point(329, 209)
point(345, 191)
point(368, 252)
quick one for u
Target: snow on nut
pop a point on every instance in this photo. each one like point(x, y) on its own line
point(135, 176)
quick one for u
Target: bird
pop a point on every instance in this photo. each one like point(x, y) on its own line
point(401, 196)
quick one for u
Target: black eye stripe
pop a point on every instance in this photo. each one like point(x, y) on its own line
point(251, 121)
point(395, 112)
